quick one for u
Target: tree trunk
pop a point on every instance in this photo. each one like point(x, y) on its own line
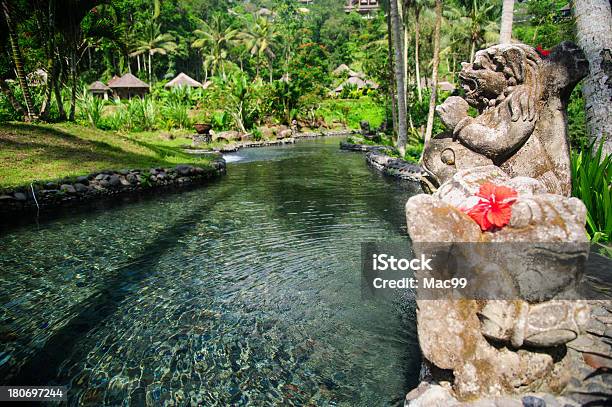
point(271, 77)
point(390, 75)
point(150, 68)
point(45, 109)
point(73, 80)
point(58, 93)
point(434, 73)
point(399, 77)
point(505, 33)
point(18, 61)
point(472, 51)
point(403, 12)
point(417, 39)
point(594, 34)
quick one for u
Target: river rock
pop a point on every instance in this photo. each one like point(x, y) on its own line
point(183, 170)
point(114, 181)
point(83, 180)
point(20, 196)
point(81, 188)
point(68, 189)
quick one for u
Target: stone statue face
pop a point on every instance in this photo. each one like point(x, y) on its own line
point(482, 81)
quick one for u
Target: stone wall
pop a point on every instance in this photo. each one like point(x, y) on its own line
point(103, 185)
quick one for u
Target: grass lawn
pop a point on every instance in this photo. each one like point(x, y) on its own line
point(353, 111)
point(41, 152)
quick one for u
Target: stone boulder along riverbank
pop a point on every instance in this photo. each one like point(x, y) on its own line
point(104, 185)
point(379, 158)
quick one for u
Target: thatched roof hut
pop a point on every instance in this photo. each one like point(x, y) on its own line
point(128, 86)
point(99, 89)
point(342, 68)
point(358, 82)
point(183, 79)
point(114, 79)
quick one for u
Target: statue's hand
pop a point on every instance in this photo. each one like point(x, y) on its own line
point(452, 111)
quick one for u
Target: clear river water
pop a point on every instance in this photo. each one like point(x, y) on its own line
point(242, 292)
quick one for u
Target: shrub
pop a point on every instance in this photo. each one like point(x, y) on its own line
point(176, 114)
point(414, 146)
point(591, 178)
point(221, 121)
point(257, 134)
point(142, 114)
point(90, 108)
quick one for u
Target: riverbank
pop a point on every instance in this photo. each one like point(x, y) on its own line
point(46, 167)
point(380, 158)
point(45, 152)
point(235, 146)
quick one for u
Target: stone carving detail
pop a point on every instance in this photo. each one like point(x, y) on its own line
point(493, 346)
point(521, 100)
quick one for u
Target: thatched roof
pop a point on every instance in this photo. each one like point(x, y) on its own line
point(183, 80)
point(341, 68)
point(207, 84)
point(344, 68)
point(356, 81)
point(127, 81)
point(114, 79)
point(97, 85)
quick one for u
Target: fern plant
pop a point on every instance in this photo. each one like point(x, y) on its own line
point(591, 182)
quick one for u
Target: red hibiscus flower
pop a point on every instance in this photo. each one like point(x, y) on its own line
point(543, 52)
point(493, 209)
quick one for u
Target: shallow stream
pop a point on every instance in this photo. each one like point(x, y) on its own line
point(246, 291)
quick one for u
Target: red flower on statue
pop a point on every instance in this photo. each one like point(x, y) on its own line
point(493, 209)
point(543, 52)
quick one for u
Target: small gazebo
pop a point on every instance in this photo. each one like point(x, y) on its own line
point(128, 86)
point(99, 89)
point(185, 80)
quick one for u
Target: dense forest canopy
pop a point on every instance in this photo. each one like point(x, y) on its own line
point(264, 38)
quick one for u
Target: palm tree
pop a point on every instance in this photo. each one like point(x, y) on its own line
point(154, 42)
point(434, 73)
point(396, 34)
point(417, 7)
point(505, 33)
point(216, 37)
point(482, 23)
point(594, 35)
point(17, 59)
point(260, 38)
point(452, 41)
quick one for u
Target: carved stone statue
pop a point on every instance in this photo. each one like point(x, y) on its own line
point(521, 99)
point(501, 346)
